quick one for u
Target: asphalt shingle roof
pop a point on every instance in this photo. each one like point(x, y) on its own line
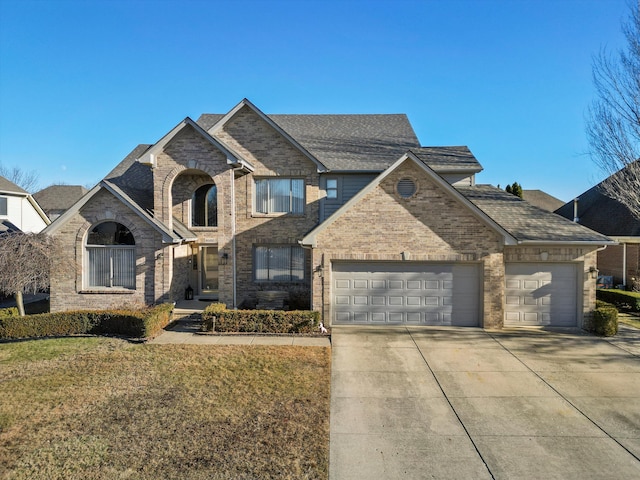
point(526, 222)
point(449, 159)
point(362, 142)
point(59, 197)
point(542, 200)
point(603, 214)
point(8, 186)
point(134, 178)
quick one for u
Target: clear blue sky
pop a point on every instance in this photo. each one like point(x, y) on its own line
point(83, 82)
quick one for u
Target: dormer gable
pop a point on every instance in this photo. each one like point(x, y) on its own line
point(219, 125)
point(149, 157)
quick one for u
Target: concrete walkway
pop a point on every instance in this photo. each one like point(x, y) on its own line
point(458, 403)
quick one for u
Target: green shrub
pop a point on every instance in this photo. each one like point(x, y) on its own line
point(622, 299)
point(132, 323)
point(604, 320)
point(217, 318)
point(210, 314)
point(9, 312)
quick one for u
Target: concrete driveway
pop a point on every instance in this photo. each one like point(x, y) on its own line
point(461, 403)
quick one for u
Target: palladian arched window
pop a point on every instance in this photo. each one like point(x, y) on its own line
point(111, 256)
point(204, 207)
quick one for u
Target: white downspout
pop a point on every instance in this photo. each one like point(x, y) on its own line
point(233, 235)
point(624, 264)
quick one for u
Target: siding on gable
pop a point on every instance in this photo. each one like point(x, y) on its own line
point(348, 186)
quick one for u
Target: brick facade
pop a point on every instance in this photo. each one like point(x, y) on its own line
point(432, 225)
point(611, 262)
point(68, 286)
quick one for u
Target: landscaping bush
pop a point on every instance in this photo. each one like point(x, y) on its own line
point(622, 299)
point(217, 318)
point(210, 314)
point(132, 323)
point(9, 312)
point(604, 319)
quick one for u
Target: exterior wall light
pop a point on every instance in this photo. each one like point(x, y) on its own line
point(593, 271)
point(224, 258)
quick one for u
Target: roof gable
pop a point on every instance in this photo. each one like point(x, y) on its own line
point(311, 238)
point(7, 186)
point(216, 126)
point(168, 236)
point(149, 157)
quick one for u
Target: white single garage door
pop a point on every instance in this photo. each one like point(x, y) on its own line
point(541, 294)
point(405, 293)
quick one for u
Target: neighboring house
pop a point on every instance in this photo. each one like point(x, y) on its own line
point(542, 200)
point(57, 199)
point(608, 216)
point(18, 210)
point(346, 213)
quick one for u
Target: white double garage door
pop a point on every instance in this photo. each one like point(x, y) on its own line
point(449, 293)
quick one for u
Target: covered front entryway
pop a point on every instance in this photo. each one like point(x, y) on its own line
point(541, 294)
point(405, 293)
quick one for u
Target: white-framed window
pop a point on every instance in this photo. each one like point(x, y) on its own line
point(204, 207)
point(279, 195)
point(3, 206)
point(110, 257)
point(332, 188)
point(278, 263)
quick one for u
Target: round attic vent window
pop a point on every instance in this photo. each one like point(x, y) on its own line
point(406, 188)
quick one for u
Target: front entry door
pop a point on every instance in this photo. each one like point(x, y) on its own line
point(209, 272)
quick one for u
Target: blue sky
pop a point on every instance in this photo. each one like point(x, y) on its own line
point(83, 82)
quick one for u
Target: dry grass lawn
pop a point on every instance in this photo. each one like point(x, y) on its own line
point(99, 408)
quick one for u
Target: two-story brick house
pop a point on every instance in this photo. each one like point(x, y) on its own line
point(346, 213)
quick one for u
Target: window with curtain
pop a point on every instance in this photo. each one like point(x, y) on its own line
point(279, 263)
point(204, 207)
point(280, 195)
point(111, 257)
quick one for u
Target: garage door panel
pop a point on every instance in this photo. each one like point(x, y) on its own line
point(415, 293)
point(541, 294)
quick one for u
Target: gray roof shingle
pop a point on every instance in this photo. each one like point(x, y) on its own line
point(542, 200)
point(9, 187)
point(603, 214)
point(448, 159)
point(526, 222)
point(361, 142)
point(59, 198)
point(134, 178)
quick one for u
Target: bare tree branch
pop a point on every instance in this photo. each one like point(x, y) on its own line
point(27, 180)
point(25, 263)
point(613, 121)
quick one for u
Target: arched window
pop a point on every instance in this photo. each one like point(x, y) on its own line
point(204, 207)
point(111, 256)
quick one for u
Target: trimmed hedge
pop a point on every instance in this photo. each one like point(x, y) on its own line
point(620, 298)
point(217, 318)
point(131, 323)
point(9, 312)
point(604, 319)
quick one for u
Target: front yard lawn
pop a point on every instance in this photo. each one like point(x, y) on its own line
point(628, 319)
point(101, 408)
